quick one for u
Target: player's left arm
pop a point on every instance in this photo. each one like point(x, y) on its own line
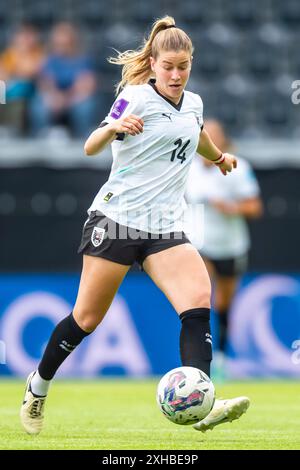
point(251, 208)
point(206, 147)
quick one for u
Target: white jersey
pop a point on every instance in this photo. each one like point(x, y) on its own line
point(220, 236)
point(146, 186)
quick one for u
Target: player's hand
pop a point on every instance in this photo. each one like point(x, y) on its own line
point(229, 163)
point(131, 124)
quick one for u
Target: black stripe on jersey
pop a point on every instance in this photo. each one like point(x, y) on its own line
point(176, 106)
point(120, 135)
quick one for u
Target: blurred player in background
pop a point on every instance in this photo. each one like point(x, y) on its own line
point(155, 128)
point(225, 241)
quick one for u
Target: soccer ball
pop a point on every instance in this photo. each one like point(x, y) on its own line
point(185, 395)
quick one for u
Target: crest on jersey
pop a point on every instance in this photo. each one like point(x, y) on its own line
point(119, 108)
point(97, 236)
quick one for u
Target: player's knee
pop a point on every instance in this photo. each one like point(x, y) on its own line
point(87, 321)
point(201, 299)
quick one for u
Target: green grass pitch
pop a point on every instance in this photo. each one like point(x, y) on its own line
point(122, 414)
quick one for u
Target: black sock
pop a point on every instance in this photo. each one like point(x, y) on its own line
point(195, 339)
point(223, 329)
point(64, 339)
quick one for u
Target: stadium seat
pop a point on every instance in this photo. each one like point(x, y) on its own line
point(257, 56)
point(293, 55)
point(209, 58)
point(276, 108)
point(242, 13)
point(203, 88)
point(214, 50)
point(193, 12)
point(145, 13)
point(94, 41)
point(288, 12)
point(236, 98)
point(94, 12)
point(4, 13)
point(42, 13)
point(5, 34)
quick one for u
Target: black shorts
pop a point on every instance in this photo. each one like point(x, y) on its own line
point(229, 267)
point(107, 239)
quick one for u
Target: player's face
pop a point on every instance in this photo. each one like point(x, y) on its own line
point(172, 70)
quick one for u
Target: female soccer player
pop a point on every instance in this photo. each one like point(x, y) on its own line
point(224, 242)
point(155, 128)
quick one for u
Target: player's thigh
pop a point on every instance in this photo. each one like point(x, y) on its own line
point(225, 287)
point(99, 282)
point(181, 275)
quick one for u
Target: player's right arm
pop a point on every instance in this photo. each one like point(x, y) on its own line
point(103, 136)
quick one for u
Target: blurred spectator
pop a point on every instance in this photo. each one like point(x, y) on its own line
point(224, 240)
point(66, 87)
point(19, 67)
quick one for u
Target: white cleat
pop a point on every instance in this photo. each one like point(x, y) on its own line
point(224, 411)
point(32, 410)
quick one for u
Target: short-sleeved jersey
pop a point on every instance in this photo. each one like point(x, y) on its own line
point(146, 186)
point(220, 236)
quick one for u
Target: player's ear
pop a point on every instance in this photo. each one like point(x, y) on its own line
point(152, 62)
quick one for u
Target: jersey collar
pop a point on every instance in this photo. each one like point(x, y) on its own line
point(176, 106)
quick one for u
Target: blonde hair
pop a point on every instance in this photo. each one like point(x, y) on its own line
point(164, 36)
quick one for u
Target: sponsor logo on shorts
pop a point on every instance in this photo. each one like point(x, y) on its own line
point(97, 236)
point(119, 108)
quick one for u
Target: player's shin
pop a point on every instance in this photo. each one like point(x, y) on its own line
point(195, 339)
point(64, 339)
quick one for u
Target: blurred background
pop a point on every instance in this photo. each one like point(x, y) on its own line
point(59, 86)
